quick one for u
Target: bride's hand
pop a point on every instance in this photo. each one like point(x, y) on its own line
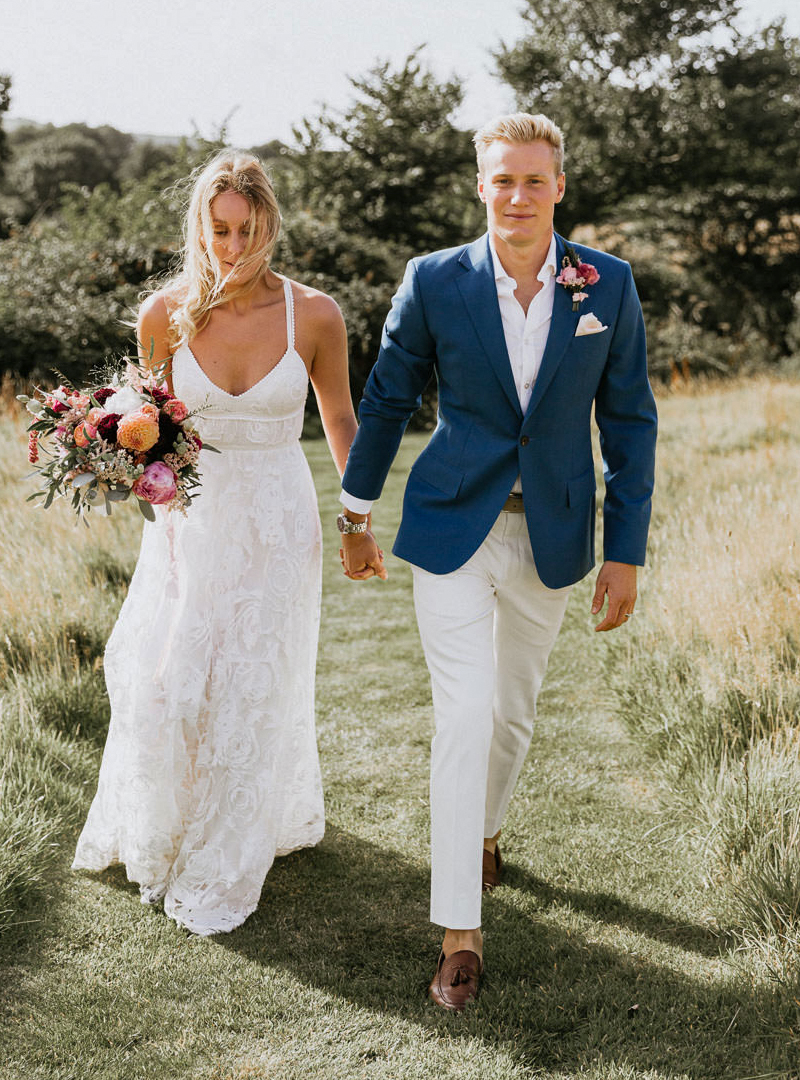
point(361, 557)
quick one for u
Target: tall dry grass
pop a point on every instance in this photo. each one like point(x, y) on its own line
point(709, 678)
point(60, 587)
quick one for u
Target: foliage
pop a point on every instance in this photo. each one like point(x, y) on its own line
point(5, 101)
point(708, 679)
point(389, 178)
point(46, 157)
point(393, 165)
point(70, 283)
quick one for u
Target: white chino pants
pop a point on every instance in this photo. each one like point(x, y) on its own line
point(487, 630)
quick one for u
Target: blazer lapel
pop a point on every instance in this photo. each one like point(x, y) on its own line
point(562, 330)
point(479, 292)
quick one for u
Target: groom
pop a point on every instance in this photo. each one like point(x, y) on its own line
point(525, 334)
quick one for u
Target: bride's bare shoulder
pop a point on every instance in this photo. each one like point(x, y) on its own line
point(153, 325)
point(318, 308)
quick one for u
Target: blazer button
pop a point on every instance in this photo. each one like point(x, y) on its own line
point(524, 440)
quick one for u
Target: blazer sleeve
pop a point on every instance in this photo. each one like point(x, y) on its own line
point(625, 411)
point(393, 391)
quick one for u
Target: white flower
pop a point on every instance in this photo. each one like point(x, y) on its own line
point(124, 401)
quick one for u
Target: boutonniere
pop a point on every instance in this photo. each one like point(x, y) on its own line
point(574, 275)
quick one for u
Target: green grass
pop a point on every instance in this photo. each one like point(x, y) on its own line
point(608, 954)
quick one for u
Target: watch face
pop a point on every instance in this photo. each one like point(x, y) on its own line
point(345, 525)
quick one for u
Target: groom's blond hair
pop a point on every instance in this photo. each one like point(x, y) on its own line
point(523, 128)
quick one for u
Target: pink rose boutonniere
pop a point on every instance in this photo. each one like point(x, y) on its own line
point(575, 275)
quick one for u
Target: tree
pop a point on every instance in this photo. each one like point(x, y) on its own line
point(394, 165)
point(5, 102)
point(365, 190)
point(44, 158)
point(682, 137)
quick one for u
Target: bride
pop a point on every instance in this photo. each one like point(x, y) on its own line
point(210, 769)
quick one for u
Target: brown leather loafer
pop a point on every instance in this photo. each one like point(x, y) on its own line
point(456, 980)
point(492, 864)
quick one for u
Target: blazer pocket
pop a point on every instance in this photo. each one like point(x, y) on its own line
point(581, 488)
point(438, 474)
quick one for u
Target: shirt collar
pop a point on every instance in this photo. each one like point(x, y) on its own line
point(501, 276)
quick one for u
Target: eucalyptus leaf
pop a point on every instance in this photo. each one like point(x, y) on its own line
point(147, 510)
point(83, 479)
point(34, 407)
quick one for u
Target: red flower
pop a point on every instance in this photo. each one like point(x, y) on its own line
point(159, 395)
point(103, 395)
point(107, 428)
point(588, 273)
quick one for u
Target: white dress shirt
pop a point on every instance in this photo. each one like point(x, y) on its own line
point(525, 334)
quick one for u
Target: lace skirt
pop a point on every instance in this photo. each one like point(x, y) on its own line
point(210, 769)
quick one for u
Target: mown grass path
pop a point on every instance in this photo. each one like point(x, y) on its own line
point(602, 961)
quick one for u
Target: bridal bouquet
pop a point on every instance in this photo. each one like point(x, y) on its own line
point(102, 444)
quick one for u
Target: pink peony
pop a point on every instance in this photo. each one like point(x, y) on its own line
point(175, 410)
point(57, 404)
point(138, 430)
point(156, 485)
point(588, 273)
point(83, 434)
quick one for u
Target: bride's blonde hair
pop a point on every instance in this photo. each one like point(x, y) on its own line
point(201, 286)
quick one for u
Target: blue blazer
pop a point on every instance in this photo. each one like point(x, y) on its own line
point(445, 320)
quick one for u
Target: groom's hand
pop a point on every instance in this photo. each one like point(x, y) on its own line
point(617, 581)
point(361, 557)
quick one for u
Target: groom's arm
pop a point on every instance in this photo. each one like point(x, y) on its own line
point(625, 412)
point(626, 416)
point(393, 391)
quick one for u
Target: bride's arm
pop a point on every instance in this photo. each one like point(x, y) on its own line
point(152, 333)
point(360, 554)
point(330, 378)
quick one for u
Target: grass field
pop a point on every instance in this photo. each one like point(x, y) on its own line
point(647, 928)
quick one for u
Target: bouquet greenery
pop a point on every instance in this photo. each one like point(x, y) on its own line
point(127, 435)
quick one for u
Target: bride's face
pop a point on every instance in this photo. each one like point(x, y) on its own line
point(230, 220)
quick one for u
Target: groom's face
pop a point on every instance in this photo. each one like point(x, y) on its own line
point(520, 187)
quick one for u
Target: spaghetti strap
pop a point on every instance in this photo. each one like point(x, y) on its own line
point(287, 292)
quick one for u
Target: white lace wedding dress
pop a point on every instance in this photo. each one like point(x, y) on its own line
point(210, 769)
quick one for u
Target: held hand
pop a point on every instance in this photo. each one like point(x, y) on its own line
point(617, 581)
point(361, 557)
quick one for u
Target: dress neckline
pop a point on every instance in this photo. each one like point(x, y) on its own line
point(288, 297)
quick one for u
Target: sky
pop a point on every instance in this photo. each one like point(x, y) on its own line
point(168, 67)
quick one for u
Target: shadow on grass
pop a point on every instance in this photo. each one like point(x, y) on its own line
point(352, 919)
point(611, 909)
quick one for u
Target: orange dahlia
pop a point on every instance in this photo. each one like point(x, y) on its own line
point(138, 430)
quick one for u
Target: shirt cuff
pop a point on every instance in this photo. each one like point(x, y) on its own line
point(358, 506)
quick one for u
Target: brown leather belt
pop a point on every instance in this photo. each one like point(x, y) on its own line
point(513, 504)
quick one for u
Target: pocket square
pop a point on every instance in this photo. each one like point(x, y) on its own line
point(589, 324)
